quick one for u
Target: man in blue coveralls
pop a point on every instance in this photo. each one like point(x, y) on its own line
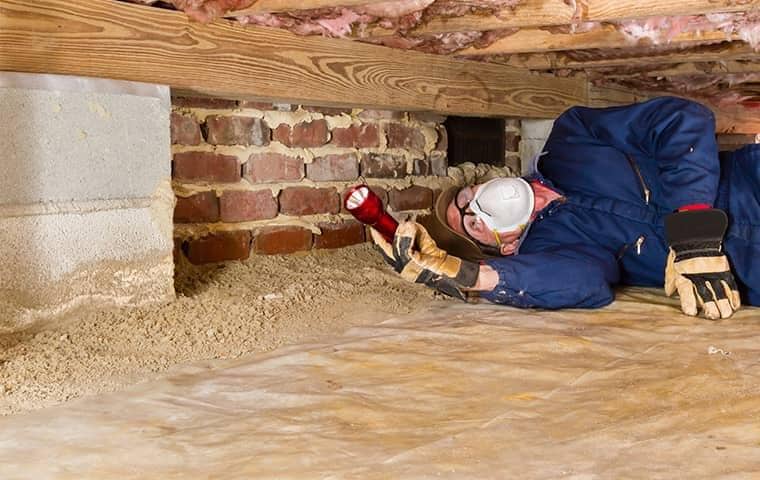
point(633, 195)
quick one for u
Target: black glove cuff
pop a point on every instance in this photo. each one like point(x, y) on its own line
point(468, 274)
point(696, 233)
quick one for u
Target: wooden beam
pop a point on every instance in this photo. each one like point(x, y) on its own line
point(614, 10)
point(691, 69)
point(612, 96)
point(102, 38)
point(555, 60)
point(727, 119)
point(536, 13)
point(737, 120)
point(531, 40)
point(270, 6)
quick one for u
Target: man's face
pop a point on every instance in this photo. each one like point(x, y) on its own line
point(464, 221)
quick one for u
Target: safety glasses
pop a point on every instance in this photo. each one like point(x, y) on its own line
point(462, 202)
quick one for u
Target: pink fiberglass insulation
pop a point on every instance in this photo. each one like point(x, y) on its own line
point(457, 8)
point(343, 22)
point(444, 43)
point(204, 11)
point(209, 10)
point(400, 16)
point(327, 22)
point(394, 9)
point(745, 25)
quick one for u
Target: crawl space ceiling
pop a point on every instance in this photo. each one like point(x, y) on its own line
point(711, 53)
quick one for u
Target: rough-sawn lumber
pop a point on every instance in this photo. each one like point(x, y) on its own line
point(102, 38)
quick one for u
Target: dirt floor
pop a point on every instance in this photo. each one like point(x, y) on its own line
point(221, 311)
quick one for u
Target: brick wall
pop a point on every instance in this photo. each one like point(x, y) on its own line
point(513, 136)
point(269, 178)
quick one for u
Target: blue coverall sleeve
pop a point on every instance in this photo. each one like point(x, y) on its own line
point(570, 276)
point(678, 134)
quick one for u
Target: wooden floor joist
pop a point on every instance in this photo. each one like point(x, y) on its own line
point(103, 38)
point(694, 68)
point(613, 96)
point(734, 119)
point(726, 51)
point(536, 13)
point(737, 120)
point(533, 40)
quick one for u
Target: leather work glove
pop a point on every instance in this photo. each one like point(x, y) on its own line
point(697, 267)
point(418, 259)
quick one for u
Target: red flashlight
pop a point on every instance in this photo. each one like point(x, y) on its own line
point(366, 206)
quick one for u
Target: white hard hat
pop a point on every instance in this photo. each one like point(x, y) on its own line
point(504, 204)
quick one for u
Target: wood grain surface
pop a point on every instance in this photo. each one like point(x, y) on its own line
point(534, 40)
point(102, 38)
point(726, 51)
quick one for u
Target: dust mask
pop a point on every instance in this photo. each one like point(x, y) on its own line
point(504, 204)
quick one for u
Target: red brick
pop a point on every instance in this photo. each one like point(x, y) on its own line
point(327, 110)
point(244, 206)
point(356, 136)
point(270, 167)
point(379, 191)
point(337, 235)
point(404, 136)
point(185, 130)
point(219, 247)
point(198, 208)
point(279, 240)
point(338, 167)
point(206, 166)
point(421, 167)
point(443, 139)
point(235, 130)
point(512, 141)
point(199, 102)
point(412, 198)
point(383, 165)
point(308, 201)
point(305, 134)
point(380, 115)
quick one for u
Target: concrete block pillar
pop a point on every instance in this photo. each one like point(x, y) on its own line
point(85, 195)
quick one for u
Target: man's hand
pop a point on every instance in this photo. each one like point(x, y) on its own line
point(418, 259)
point(697, 267)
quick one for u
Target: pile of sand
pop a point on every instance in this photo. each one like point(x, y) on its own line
point(221, 311)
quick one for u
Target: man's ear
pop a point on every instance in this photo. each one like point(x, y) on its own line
point(509, 248)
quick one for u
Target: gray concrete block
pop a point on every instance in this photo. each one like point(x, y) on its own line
point(53, 262)
point(64, 145)
point(86, 200)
